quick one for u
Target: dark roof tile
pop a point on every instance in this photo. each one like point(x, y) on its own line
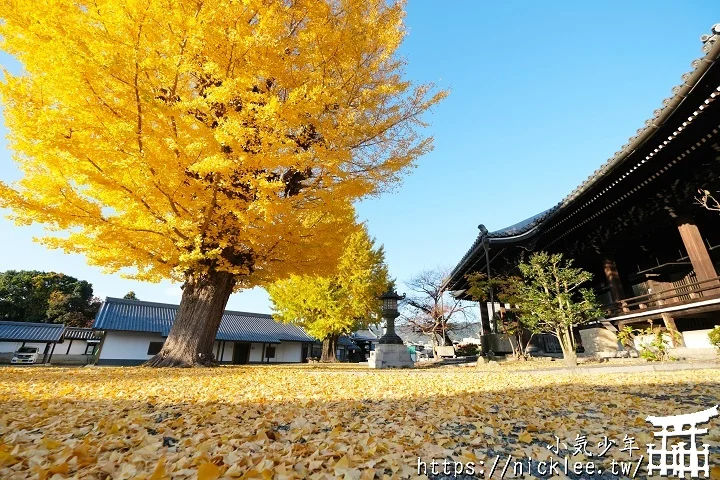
point(75, 333)
point(699, 66)
point(138, 316)
point(30, 332)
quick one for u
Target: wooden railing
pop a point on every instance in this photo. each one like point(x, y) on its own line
point(688, 293)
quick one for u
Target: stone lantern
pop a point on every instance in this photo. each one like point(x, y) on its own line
point(390, 352)
point(389, 314)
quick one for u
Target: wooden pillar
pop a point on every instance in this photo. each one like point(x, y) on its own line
point(98, 350)
point(484, 318)
point(51, 353)
point(69, 346)
point(695, 247)
point(672, 327)
point(617, 292)
point(613, 278)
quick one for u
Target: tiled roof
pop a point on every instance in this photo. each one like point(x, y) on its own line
point(30, 332)
point(529, 227)
point(138, 316)
point(521, 227)
point(409, 335)
point(347, 342)
point(364, 336)
point(81, 334)
point(689, 79)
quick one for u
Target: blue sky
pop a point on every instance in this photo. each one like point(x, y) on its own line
point(541, 94)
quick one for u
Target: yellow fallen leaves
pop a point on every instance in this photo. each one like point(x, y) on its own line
point(159, 471)
point(208, 471)
point(715, 473)
point(275, 422)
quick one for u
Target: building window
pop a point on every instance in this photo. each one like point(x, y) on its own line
point(155, 347)
point(270, 352)
point(89, 349)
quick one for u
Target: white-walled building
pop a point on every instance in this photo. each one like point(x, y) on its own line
point(43, 336)
point(134, 331)
point(55, 342)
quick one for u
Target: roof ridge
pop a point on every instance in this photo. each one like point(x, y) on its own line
point(711, 48)
point(700, 66)
point(37, 324)
point(137, 315)
point(128, 301)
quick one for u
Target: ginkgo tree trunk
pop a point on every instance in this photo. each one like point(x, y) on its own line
point(217, 143)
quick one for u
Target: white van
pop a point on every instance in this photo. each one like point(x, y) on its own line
point(25, 355)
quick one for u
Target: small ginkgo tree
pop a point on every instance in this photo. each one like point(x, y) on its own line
point(337, 304)
point(221, 144)
point(551, 299)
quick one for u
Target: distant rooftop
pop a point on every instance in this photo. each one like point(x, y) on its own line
point(30, 332)
point(74, 333)
point(137, 316)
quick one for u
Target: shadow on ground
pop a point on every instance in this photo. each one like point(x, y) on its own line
point(123, 423)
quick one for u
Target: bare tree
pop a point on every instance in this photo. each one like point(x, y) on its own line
point(431, 311)
point(708, 201)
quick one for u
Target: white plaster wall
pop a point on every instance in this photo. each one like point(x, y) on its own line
point(256, 351)
point(128, 345)
point(134, 346)
point(77, 348)
point(697, 339)
point(11, 347)
point(642, 340)
point(227, 354)
point(287, 352)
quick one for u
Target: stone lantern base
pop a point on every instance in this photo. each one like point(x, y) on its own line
point(390, 356)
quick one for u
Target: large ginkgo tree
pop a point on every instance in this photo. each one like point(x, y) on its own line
point(218, 143)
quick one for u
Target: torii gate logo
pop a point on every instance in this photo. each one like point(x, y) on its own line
point(678, 460)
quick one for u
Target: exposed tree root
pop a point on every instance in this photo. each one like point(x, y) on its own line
point(166, 359)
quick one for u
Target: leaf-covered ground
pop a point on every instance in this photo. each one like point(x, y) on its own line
point(293, 422)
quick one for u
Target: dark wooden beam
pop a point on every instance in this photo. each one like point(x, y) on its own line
point(612, 276)
point(696, 249)
point(670, 325)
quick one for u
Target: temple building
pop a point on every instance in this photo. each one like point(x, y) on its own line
point(635, 223)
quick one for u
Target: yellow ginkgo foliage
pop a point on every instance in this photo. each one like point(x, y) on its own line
point(220, 143)
point(332, 305)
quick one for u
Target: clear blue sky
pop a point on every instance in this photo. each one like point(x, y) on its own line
point(542, 93)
